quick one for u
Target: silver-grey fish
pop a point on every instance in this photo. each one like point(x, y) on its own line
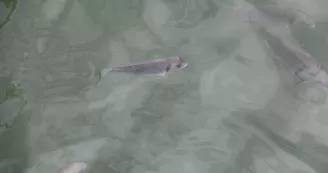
point(159, 67)
point(301, 63)
point(295, 59)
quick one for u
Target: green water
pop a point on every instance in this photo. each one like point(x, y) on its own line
point(230, 110)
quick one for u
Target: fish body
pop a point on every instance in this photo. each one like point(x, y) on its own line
point(159, 67)
point(299, 62)
point(76, 167)
point(302, 64)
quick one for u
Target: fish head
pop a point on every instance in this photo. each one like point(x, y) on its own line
point(176, 63)
point(322, 77)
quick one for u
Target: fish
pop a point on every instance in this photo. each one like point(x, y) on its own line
point(158, 67)
point(301, 63)
point(76, 167)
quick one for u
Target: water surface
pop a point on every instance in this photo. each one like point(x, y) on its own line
point(229, 111)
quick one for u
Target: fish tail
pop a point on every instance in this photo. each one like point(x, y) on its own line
point(103, 73)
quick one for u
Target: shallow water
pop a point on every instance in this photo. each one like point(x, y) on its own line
point(231, 110)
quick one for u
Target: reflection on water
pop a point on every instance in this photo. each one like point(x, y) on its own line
point(229, 111)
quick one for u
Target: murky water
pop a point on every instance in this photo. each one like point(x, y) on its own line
point(232, 110)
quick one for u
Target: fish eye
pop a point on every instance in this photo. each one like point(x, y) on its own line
point(179, 65)
point(168, 67)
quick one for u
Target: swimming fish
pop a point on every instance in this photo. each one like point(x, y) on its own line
point(76, 167)
point(159, 67)
point(303, 65)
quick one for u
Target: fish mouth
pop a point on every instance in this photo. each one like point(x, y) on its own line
point(184, 65)
point(183, 62)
